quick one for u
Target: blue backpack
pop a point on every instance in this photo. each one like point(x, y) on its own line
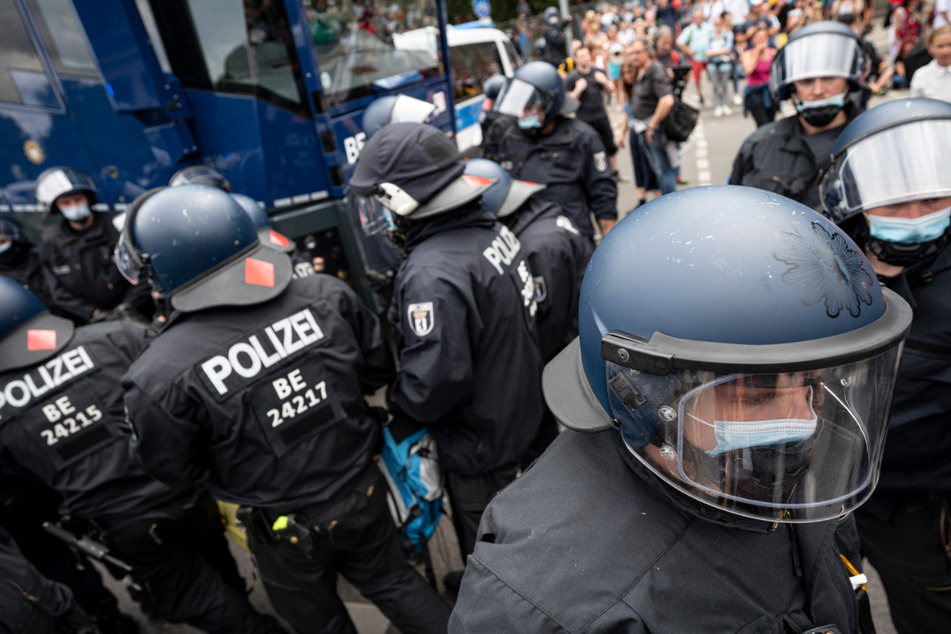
point(412, 472)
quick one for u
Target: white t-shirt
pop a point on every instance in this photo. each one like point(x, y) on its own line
point(941, 6)
point(932, 81)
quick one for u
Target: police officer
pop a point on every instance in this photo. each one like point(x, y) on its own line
point(557, 254)
point(77, 253)
point(29, 602)
point(493, 87)
point(889, 186)
point(822, 69)
point(61, 421)
point(20, 261)
point(556, 45)
point(259, 379)
point(565, 154)
point(463, 314)
point(726, 402)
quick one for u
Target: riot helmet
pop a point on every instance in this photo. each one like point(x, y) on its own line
point(742, 346)
point(819, 50)
point(12, 240)
point(198, 247)
point(507, 194)
point(57, 182)
point(29, 333)
point(409, 172)
point(266, 233)
point(396, 109)
point(535, 95)
point(551, 15)
point(493, 86)
point(892, 156)
point(200, 175)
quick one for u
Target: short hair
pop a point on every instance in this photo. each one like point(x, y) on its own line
point(941, 30)
point(648, 46)
point(663, 31)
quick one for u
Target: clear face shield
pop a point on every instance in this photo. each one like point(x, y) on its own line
point(797, 446)
point(376, 209)
point(819, 55)
point(526, 103)
point(125, 263)
point(897, 165)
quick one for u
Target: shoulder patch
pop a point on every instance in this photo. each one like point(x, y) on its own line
point(600, 161)
point(422, 318)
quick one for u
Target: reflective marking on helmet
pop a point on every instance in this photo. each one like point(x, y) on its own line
point(476, 182)
point(40, 340)
point(277, 238)
point(258, 272)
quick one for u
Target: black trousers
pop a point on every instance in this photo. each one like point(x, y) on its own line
point(189, 575)
point(468, 497)
point(910, 549)
point(353, 535)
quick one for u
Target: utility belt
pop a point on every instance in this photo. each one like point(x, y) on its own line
point(302, 528)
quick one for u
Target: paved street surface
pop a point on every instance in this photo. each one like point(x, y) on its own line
point(707, 159)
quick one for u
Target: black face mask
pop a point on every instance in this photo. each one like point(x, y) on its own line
point(397, 233)
point(821, 116)
point(13, 255)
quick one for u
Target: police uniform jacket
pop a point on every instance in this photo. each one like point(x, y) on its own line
point(589, 540)
point(918, 446)
point(27, 269)
point(463, 315)
point(558, 255)
point(63, 422)
point(268, 397)
point(29, 602)
point(777, 158)
point(572, 162)
point(81, 274)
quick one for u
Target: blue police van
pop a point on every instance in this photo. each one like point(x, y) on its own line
point(268, 92)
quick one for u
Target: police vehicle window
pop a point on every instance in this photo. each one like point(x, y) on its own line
point(248, 48)
point(513, 55)
point(63, 38)
point(471, 65)
point(22, 79)
point(148, 19)
point(364, 48)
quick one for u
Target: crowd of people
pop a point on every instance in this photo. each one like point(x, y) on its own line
point(695, 418)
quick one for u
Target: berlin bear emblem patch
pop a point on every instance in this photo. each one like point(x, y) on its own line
point(421, 318)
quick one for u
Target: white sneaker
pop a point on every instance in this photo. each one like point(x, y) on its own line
point(718, 112)
point(727, 110)
point(737, 100)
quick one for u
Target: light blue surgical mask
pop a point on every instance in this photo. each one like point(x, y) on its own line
point(5, 247)
point(528, 123)
point(76, 213)
point(742, 434)
point(821, 112)
point(909, 230)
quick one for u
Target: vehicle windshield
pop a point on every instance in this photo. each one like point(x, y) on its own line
point(362, 49)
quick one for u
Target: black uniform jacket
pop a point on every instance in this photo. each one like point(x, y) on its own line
point(572, 162)
point(463, 315)
point(63, 422)
point(919, 442)
point(777, 158)
point(589, 540)
point(81, 274)
point(558, 255)
point(29, 602)
point(269, 397)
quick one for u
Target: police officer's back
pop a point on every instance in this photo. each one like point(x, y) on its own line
point(463, 314)
point(259, 378)
point(62, 421)
point(721, 429)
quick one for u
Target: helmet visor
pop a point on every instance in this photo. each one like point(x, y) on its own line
point(374, 217)
point(521, 99)
point(819, 55)
point(799, 446)
point(125, 262)
point(408, 109)
point(896, 165)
